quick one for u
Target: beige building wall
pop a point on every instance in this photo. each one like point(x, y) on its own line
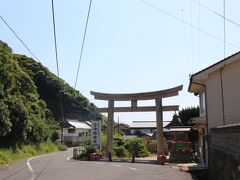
point(231, 95)
point(75, 136)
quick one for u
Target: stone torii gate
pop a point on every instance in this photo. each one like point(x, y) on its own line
point(134, 98)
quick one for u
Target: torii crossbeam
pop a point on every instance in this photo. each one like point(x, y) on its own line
point(134, 98)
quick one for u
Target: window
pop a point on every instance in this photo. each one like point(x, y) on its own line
point(202, 104)
point(71, 131)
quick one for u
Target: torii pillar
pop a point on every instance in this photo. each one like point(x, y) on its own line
point(134, 98)
point(110, 129)
point(159, 120)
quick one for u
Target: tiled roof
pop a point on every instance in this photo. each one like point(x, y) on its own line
point(176, 121)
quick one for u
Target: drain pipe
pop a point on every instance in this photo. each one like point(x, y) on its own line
point(223, 108)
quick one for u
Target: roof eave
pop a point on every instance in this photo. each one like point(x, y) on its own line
point(203, 74)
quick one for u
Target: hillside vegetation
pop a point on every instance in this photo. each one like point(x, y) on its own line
point(74, 104)
point(29, 100)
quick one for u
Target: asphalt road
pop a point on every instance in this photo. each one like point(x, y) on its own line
point(59, 166)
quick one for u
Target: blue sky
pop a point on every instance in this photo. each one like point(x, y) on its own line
point(130, 46)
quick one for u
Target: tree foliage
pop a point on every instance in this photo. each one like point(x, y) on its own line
point(48, 86)
point(24, 117)
point(136, 147)
point(187, 113)
point(118, 145)
point(29, 100)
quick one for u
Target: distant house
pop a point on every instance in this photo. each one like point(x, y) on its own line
point(173, 131)
point(124, 128)
point(137, 127)
point(144, 128)
point(218, 89)
point(177, 131)
point(75, 131)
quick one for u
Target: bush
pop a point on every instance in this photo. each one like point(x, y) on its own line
point(26, 151)
point(87, 154)
point(55, 136)
point(61, 147)
point(120, 151)
point(136, 147)
point(103, 142)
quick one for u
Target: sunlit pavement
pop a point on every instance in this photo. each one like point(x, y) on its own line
point(60, 166)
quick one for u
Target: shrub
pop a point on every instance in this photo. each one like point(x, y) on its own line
point(61, 147)
point(55, 136)
point(87, 154)
point(136, 147)
point(120, 151)
point(26, 151)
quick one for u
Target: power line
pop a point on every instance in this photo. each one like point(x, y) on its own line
point(216, 13)
point(224, 27)
point(83, 42)
point(24, 44)
point(56, 57)
point(190, 25)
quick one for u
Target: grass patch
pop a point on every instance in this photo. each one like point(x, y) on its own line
point(8, 156)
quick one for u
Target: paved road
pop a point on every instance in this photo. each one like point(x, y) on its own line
point(59, 166)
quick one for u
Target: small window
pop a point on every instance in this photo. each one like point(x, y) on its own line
point(71, 131)
point(202, 104)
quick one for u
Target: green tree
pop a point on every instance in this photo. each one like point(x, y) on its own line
point(5, 123)
point(74, 103)
point(55, 136)
point(24, 117)
point(187, 113)
point(136, 148)
point(118, 145)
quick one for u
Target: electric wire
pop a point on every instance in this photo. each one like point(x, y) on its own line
point(216, 13)
point(15, 34)
point(224, 28)
point(56, 58)
point(185, 32)
point(192, 37)
point(187, 23)
point(83, 42)
point(198, 41)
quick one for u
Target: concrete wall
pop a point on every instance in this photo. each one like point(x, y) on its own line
point(224, 151)
point(231, 94)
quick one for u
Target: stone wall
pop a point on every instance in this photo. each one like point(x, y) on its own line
point(224, 153)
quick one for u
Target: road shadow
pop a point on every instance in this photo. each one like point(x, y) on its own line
point(137, 161)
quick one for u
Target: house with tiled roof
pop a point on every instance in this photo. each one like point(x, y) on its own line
point(74, 131)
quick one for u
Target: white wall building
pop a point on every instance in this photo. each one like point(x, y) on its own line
point(75, 131)
point(218, 88)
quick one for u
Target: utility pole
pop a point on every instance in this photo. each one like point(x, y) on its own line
point(62, 115)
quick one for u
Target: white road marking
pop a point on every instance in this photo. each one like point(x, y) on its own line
point(30, 167)
point(68, 158)
point(116, 165)
point(132, 168)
